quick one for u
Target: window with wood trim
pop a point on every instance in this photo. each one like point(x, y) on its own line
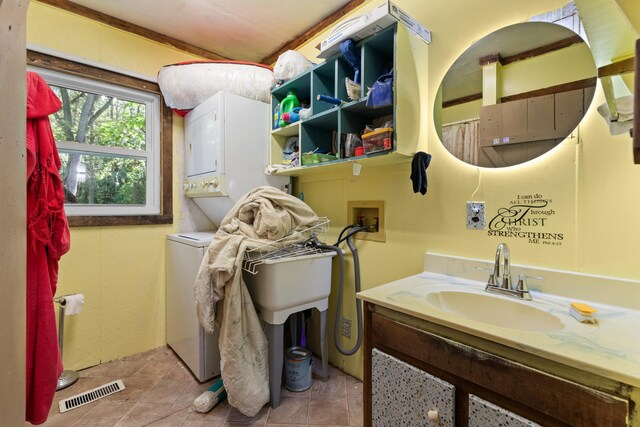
point(113, 134)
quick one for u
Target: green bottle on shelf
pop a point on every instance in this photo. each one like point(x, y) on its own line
point(288, 103)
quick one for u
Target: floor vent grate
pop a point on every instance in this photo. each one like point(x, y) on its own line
point(90, 395)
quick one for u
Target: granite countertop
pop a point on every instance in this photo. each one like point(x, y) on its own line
point(609, 348)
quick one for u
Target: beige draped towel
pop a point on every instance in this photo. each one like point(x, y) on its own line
point(260, 217)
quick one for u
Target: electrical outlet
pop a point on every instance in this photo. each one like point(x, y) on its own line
point(475, 216)
point(346, 327)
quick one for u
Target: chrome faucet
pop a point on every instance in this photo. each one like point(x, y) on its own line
point(500, 277)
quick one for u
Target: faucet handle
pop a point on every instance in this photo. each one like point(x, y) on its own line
point(522, 287)
point(522, 279)
point(492, 276)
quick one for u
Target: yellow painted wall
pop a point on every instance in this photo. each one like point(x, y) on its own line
point(120, 270)
point(455, 113)
point(554, 68)
point(589, 180)
point(630, 8)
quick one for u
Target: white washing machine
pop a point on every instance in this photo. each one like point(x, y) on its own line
point(197, 349)
point(226, 152)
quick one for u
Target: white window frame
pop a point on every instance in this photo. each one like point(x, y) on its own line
point(151, 153)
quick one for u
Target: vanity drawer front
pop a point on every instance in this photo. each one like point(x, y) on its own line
point(483, 413)
point(403, 395)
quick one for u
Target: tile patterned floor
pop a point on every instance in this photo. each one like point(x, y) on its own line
point(159, 391)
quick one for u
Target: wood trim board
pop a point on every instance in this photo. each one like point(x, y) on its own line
point(636, 107)
point(131, 28)
point(619, 67)
point(311, 32)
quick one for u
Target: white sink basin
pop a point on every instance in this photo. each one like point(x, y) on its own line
point(283, 286)
point(495, 310)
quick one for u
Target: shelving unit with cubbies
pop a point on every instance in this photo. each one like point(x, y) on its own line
point(324, 130)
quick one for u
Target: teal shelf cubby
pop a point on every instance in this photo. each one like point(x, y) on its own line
point(327, 126)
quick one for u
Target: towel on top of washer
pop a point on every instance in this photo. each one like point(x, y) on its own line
point(262, 216)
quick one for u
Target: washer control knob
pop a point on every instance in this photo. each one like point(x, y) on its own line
point(192, 186)
point(214, 182)
point(185, 186)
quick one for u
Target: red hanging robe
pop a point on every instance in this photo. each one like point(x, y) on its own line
point(47, 241)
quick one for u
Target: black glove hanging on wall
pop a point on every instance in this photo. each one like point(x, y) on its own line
point(419, 166)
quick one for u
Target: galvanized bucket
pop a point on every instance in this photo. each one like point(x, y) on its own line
point(297, 369)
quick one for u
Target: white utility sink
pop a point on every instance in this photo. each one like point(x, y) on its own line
point(283, 286)
point(495, 310)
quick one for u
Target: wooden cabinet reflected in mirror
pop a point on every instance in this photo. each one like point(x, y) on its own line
point(516, 94)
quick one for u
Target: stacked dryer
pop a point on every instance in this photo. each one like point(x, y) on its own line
point(227, 143)
point(227, 151)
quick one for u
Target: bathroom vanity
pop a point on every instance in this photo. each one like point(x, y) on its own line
point(437, 352)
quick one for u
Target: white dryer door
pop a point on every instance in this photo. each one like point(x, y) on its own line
point(203, 138)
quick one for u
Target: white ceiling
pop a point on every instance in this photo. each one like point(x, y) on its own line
point(237, 29)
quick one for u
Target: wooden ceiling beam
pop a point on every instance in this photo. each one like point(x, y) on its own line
point(532, 53)
point(490, 59)
point(463, 100)
point(311, 32)
point(132, 28)
point(563, 87)
point(560, 44)
point(618, 67)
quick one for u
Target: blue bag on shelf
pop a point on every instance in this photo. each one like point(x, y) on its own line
point(351, 54)
point(381, 94)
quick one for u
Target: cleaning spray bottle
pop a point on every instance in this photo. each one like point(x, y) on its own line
point(288, 103)
point(276, 116)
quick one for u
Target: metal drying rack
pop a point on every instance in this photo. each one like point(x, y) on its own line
point(292, 245)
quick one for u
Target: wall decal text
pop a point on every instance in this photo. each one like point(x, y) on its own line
point(529, 217)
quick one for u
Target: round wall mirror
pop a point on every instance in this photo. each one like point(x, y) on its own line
point(516, 94)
